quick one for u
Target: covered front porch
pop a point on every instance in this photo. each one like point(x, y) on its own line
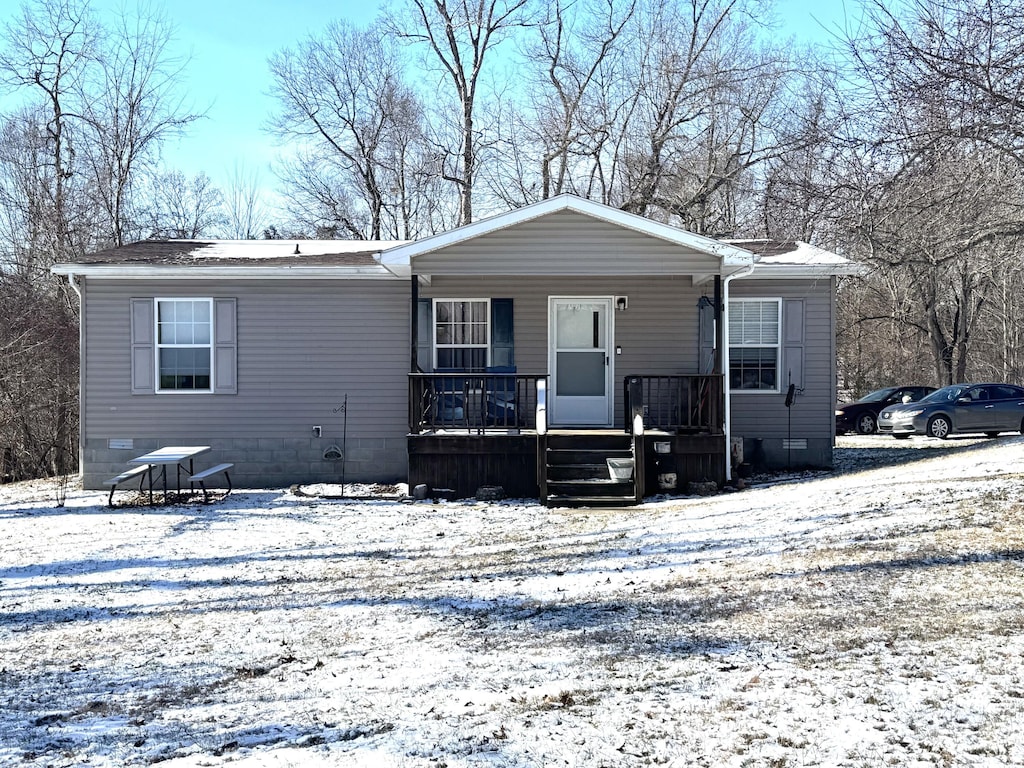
point(554, 342)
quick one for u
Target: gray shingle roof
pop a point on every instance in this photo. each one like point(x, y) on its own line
point(240, 252)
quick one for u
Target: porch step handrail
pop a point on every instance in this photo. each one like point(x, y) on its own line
point(635, 422)
point(542, 407)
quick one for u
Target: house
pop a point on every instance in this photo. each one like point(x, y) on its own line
point(489, 354)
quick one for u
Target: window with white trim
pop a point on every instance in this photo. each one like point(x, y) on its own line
point(184, 345)
point(755, 327)
point(462, 333)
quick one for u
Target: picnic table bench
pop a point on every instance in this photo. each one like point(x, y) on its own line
point(128, 474)
point(200, 477)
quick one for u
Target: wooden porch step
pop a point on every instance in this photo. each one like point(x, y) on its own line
point(590, 501)
point(585, 456)
point(576, 469)
point(590, 440)
point(558, 471)
point(590, 487)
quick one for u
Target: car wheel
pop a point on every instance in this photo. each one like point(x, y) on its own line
point(866, 424)
point(939, 427)
point(990, 435)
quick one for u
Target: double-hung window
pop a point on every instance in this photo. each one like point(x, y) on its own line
point(754, 342)
point(184, 345)
point(462, 333)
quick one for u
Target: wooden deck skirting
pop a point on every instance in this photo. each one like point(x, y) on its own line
point(462, 463)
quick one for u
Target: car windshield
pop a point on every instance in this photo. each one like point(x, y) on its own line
point(877, 396)
point(944, 395)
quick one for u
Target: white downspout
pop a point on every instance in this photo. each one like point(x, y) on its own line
point(726, 389)
point(73, 282)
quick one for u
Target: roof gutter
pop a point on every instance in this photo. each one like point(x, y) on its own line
point(726, 389)
point(194, 272)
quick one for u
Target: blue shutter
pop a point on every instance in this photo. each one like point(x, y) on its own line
point(425, 332)
point(502, 334)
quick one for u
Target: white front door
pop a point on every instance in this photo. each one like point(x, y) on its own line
point(580, 361)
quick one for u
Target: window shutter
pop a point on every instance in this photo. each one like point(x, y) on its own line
point(793, 342)
point(143, 363)
point(705, 336)
point(425, 331)
point(502, 333)
point(225, 347)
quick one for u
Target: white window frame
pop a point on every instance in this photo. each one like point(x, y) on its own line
point(158, 345)
point(760, 344)
point(486, 346)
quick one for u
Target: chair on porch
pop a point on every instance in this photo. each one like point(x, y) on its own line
point(449, 398)
point(500, 396)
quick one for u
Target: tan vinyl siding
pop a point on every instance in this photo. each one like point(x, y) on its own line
point(565, 244)
point(657, 333)
point(301, 347)
point(765, 415)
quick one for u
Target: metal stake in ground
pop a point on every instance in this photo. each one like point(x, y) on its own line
point(343, 408)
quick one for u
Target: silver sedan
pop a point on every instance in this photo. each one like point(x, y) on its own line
point(960, 408)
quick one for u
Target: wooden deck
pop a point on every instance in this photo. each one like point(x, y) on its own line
point(460, 463)
point(471, 429)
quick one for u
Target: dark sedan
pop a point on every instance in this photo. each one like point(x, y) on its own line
point(988, 408)
point(862, 416)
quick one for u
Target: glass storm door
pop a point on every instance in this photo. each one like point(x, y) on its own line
point(580, 363)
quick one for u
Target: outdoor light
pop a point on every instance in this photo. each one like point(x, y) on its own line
point(621, 302)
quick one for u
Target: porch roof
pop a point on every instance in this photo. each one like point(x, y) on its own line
point(472, 253)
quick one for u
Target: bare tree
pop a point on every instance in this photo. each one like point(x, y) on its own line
point(38, 381)
point(460, 38)
point(969, 53)
point(245, 211)
point(342, 95)
point(708, 107)
point(47, 50)
point(932, 183)
point(182, 207)
point(577, 48)
point(130, 109)
point(27, 224)
point(320, 201)
point(94, 108)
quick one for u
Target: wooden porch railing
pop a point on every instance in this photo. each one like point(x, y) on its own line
point(684, 404)
point(474, 402)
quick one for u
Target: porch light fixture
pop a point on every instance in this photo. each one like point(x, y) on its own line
point(621, 302)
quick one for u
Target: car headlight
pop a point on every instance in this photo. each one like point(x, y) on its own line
point(914, 412)
point(840, 413)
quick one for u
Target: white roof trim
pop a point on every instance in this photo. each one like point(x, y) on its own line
point(199, 272)
point(731, 255)
point(784, 271)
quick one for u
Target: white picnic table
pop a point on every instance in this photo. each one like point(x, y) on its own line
point(163, 458)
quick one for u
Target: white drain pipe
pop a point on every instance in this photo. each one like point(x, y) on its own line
point(726, 389)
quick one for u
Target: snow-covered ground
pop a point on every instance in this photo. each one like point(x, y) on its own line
point(867, 617)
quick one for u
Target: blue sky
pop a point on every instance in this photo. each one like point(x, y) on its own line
point(229, 42)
